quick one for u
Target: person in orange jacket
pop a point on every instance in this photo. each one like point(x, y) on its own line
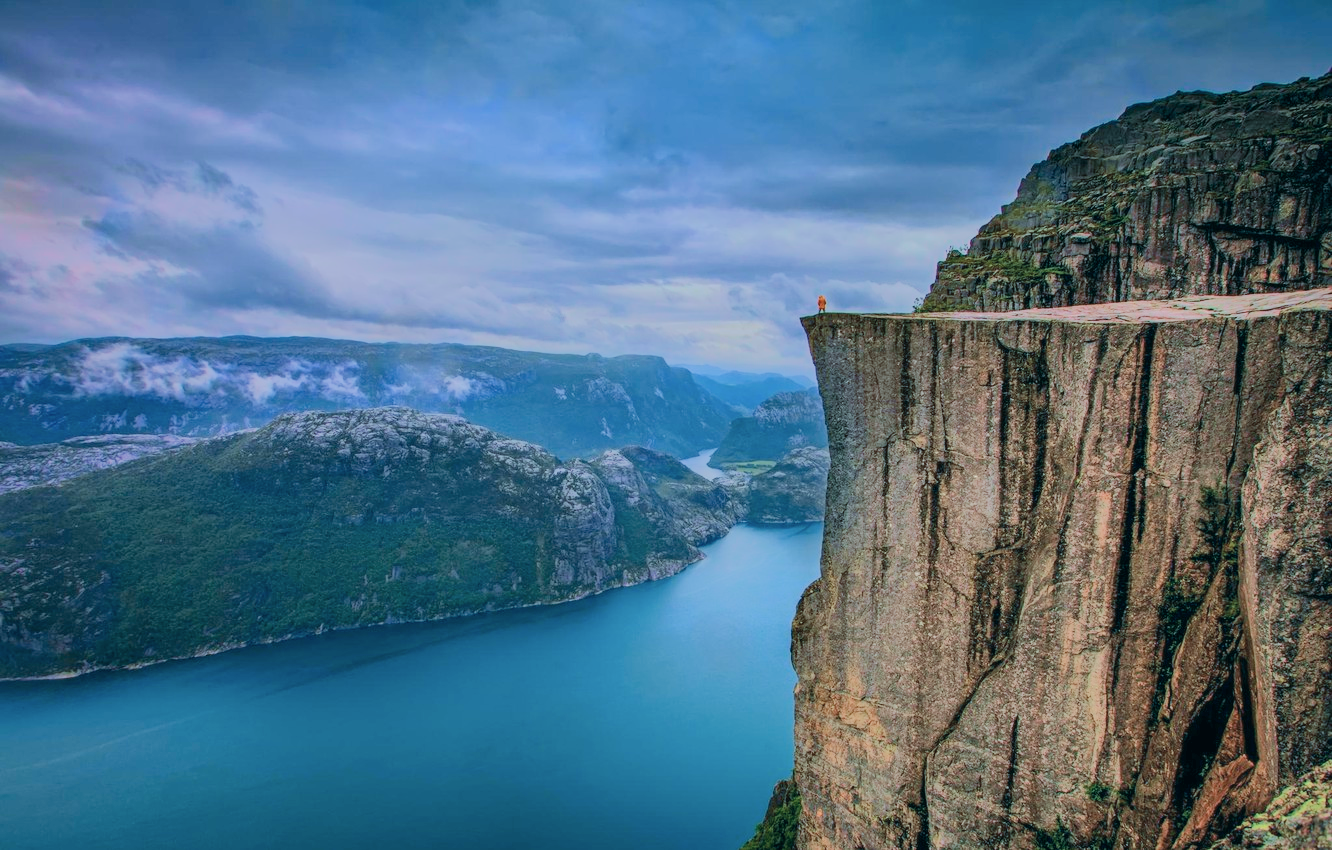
point(823, 303)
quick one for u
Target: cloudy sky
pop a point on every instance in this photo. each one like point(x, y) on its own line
point(655, 176)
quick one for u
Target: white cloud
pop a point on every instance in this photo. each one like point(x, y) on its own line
point(123, 369)
point(342, 383)
point(262, 388)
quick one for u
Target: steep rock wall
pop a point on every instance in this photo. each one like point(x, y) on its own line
point(1196, 193)
point(1075, 576)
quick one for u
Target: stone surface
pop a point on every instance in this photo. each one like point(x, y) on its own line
point(1196, 193)
point(1075, 574)
point(51, 463)
point(1300, 818)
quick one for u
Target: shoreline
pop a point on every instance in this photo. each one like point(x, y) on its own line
point(218, 650)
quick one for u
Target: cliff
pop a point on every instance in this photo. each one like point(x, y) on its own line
point(329, 520)
point(1075, 587)
point(1196, 193)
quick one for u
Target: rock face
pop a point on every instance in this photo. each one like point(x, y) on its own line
point(1300, 818)
point(667, 494)
point(32, 466)
point(1076, 574)
point(784, 422)
point(1196, 193)
point(576, 406)
point(329, 520)
point(792, 491)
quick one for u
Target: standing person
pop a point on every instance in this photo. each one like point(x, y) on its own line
point(823, 303)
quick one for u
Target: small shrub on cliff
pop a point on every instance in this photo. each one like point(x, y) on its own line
point(1062, 838)
point(1218, 549)
point(1059, 838)
point(1219, 543)
point(1098, 792)
point(1178, 603)
point(777, 830)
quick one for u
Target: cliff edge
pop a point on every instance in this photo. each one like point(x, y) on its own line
point(1077, 574)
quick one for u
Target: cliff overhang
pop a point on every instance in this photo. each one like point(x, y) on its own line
point(1076, 578)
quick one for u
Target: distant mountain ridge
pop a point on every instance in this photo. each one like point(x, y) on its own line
point(748, 394)
point(735, 377)
point(574, 405)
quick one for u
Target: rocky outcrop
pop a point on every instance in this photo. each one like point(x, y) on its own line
point(51, 463)
point(1300, 818)
point(784, 422)
point(668, 494)
point(792, 491)
point(1075, 583)
point(329, 520)
point(1196, 193)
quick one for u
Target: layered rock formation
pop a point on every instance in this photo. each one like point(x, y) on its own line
point(1196, 193)
point(1075, 580)
point(329, 520)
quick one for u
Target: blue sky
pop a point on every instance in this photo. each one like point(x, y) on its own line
point(663, 176)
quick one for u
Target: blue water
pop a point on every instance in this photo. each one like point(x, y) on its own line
point(657, 716)
point(699, 464)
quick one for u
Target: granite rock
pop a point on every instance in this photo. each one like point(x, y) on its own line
point(1075, 579)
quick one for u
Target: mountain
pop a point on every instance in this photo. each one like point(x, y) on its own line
point(1193, 194)
point(748, 394)
point(734, 377)
point(792, 491)
point(575, 405)
point(786, 421)
point(329, 520)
